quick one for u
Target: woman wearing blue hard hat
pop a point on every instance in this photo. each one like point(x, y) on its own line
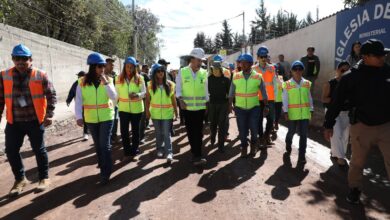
point(95, 95)
point(131, 89)
point(161, 107)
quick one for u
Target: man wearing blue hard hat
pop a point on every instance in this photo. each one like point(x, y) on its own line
point(297, 108)
point(245, 87)
point(29, 98)
point(267, 71)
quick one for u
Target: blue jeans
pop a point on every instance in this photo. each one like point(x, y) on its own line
point(101, 135)
point(247, 120)
point(162, 130)
point(303, 128)
point(14, 135)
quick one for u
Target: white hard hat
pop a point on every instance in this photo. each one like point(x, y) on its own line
point(197, 53)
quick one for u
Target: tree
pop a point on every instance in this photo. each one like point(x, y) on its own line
point(262, 21)
point(226, 36)
point(200, 40)
point(353, 3)
point(238, 41)
point(209, 46)
point(217, 44)
point(307, 21)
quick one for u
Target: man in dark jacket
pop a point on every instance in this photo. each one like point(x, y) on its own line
point(71, 95)
point(312, 66)
point(364, 90)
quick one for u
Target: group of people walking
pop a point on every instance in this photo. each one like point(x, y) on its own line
point(253, 90)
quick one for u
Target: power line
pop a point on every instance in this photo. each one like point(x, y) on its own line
point(202, 25)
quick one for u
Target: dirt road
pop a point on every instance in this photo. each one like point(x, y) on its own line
point(268, 186)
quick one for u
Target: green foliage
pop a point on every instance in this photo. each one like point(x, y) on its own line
point(105, 26)
point(353, 3)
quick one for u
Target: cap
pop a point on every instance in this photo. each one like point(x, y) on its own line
point(297, 63)
point(81, 73)
point(375, 47)
point(163, 62)
point(197, 53)
point(110, 59)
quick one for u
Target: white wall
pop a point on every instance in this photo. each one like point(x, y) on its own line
point(60, 60)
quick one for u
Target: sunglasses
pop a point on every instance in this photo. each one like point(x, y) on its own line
point(297, 69)
point(263, 57)
point(100, 65)
point(17, 58)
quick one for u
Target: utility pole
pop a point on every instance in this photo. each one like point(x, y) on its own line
point(243, 29)
point(135, 31)
point(288, 21)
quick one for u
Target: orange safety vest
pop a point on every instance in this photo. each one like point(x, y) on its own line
point(36, 90)
point(268, 77)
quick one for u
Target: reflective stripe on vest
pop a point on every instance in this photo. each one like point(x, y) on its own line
point(246, 90)
point(298, 100)
point(193, 90)
point(161, 107)
point(36, 91)
point(97, 105)
point(125, 104)
point(268, 77)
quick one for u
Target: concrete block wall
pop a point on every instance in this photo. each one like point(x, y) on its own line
point(59, 59)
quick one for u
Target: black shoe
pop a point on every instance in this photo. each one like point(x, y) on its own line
point(104, 181)
point(354, 196)
point(288, 148)
point(199, 161)
point(221, 149)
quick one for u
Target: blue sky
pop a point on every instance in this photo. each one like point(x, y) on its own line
point(179, 13)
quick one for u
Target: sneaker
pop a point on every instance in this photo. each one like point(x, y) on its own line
point(43, 185)
point(354, 196)
point(18, 187)
point(160, 154)
point(85, 137)
point(169, 158)
point(198, 161)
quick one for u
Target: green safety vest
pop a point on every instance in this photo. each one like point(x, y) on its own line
point(161, 107)
point(193, 90)
point(298, 100)
point(247, 89)
point(279, 96)
point(125, 104)
point(97, 105)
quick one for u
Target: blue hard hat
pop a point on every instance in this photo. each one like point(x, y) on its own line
point(246, 57)
point(262, 51)
point(217, 58)
point(95, 58)
point(238, 58)
point(131, 60)
point(297, 63)
point(21, 51)
point(155, 67)
point(231, 65)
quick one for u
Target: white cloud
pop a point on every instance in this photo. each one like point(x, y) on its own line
point(189, 13)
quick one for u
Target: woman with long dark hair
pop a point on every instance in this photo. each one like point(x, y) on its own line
point(131, 89)
point(96, 95)
point(354, 56)
point(161, 107)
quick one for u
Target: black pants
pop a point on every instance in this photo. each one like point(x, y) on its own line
point(125, 119)
point(278, 111)
point(270, 118)
point(181, 112)
point(14, 135)
point(142, 126)
point(217, 117)
point(115, 123)
point(194, 125)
